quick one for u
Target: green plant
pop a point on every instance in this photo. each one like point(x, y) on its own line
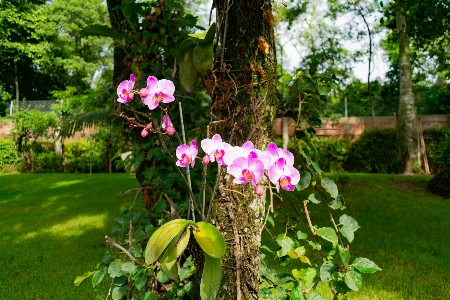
point(437, 142)
point(331, 154)
point(77, 156)
point(8, 153)
point(374, 152)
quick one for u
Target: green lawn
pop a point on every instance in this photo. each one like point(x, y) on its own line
point(404, 230)
point(52, 228)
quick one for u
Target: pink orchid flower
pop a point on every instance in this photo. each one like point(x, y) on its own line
point(273, 153)
point(283, 175)
point(231, 153)
point(186, 154)
point(166, 125)
point(247, 169)
point(158, 91)
point(125, 90)
point(215, 148)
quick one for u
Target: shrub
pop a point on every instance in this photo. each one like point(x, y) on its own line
point(437, 142)
point(374, 152)
point(440, 184)
point(46, 162)
point(77, 157)
point(331, 154)
point(8, 153)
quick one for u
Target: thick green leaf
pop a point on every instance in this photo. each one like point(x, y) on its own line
point(285, 79)
point(170, 269)
point(365, 265)
point(353, 279)
point(210, 239)
point(327, 233)
point(206, 37)
point(314, 198)
point(305, 178)
point(330, 187)
point(323, 89)
point(115, 268)
point(177, 246)
point(102, 30)
point(286, 243)
point(98, 276)
point(344, 254)
point(337, 203)
point(188, 73)
point(203, 58)
point(118, 292)
point(347, 232)
point(81, 278)
point(184, 45)
point(211, 277)
point(326, 270)
point(162, 237)
point(349, 221)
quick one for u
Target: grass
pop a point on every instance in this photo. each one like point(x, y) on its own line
point(404, 229)
point(52, 229)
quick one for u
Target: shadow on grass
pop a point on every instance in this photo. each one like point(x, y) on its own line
point(404, 229)
point(52, 229)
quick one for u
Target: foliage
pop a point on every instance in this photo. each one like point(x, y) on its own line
point(440, 184)
point(8, 153)
point(77, 156)
point(375, 152)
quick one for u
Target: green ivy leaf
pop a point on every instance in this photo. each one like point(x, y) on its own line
point(98, 276)
point(211, 277)
point(314, 198)
point(81, 278)
point(347, 232)
point(326, 270)
point(327, 233)
point(286, 244)
point(301, 235)
point(305, 178)
point(365, 265)
point(330, 187)
point(210, 239)
point(344, 254)
point(118, 292)
point(353, 279)
point(323, 89)
point(115, 268)
point(285, 79)
point(203, 58)
point(337, 203)
point(188, 73)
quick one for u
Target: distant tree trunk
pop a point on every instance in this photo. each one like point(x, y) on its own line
point(16, 83)
point(246, 95)
point(407, 129)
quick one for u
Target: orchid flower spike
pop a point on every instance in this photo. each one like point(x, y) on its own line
point(158, 91)
point(186, 154)
point(125, 90)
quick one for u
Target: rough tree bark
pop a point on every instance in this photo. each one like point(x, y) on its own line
point(407, 128)
point(243, 90)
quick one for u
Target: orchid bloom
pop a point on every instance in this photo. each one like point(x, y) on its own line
point(125, 90)
point(283, 175)
point(186, 154)
point(215, 149)
point(273, 153)
point(231, 153)
point(158, 91)
point(166, 125)
point(246, 169)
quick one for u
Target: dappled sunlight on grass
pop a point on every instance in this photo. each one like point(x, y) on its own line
point(65, 183)
point(73, 227)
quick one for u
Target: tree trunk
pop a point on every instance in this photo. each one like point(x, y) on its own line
point(16, 83)
point(407, 129)
point(246, 94)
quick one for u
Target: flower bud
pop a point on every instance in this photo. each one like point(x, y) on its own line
point(148, 126)
point(144, 133)
point(206, 159)
point(259, 190)
point(143, 92)
point(170, 130)
point(131, 126)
